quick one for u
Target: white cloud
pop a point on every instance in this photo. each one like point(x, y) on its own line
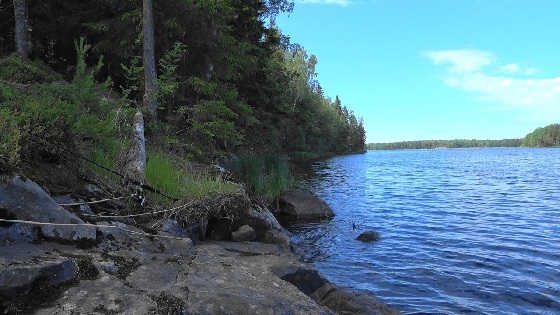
point(475, 71)
point(343, 3)
point(464, 60)
point(511, 68)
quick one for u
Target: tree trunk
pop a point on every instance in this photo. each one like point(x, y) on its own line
point(136, 160)
point(150, 75)
point(21, 37)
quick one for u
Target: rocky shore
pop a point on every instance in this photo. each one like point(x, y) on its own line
point(113, 266)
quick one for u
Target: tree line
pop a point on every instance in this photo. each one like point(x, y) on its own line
point(548, 136)
point(216, 76)
point(435, 144)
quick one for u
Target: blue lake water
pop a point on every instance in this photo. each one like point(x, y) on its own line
point(464, 231)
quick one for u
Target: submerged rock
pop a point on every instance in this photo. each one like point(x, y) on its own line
point(22, 199)
point(243, 234)
point(369, 236)
point(300, 205)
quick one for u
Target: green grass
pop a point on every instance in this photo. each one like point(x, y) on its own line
point(163, 174)
point(265, 176)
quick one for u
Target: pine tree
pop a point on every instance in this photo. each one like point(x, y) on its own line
point(150, 75)
point(21, 36)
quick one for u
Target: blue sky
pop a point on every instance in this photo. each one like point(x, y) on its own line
point(436, 69)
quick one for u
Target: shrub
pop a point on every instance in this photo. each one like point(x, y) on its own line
point(18, 69)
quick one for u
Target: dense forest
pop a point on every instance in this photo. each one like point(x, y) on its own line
point(548, 136)
point(227, 79)
point(433, 144)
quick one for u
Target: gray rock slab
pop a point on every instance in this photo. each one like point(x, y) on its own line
point(25, 200)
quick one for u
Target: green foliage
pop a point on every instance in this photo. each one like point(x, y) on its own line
point(42, 122)
point(548, 136)
point(10, 138)
point(18, 69)
point(434, 144)
point(265, 177)
point(168, 79)
point(218, 116)
point(228, 81)
point(165, 175)
point(84, 79)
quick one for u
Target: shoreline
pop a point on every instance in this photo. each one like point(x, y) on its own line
point(50, 269)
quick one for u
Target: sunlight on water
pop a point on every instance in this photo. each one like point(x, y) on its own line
point(466, 231)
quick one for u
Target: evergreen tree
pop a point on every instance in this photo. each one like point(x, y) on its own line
point(150, 75)
point(21, 34)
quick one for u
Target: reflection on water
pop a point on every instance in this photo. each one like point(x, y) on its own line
point(463, 231)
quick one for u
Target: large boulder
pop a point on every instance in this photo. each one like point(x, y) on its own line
point(22, 199)
point(298, 205)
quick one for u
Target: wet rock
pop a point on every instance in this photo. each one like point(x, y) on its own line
point(369, 236)
point(243, 234)
point(302, 206)
point(341, 301)
point(346, 302)
point(23, 199)
point(277, 237)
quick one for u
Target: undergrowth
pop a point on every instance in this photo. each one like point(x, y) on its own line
point(265, 176)
point(176, 180)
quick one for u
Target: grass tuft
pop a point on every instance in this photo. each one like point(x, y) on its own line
point(164, 174)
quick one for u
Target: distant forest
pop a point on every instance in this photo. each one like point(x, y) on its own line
point(548, 136)
point(434, 144)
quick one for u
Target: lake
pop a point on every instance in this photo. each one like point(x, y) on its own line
point(463, 231)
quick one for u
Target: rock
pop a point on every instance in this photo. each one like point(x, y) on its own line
point(341, 301)
point(23, 199)
point(302, 206)
point(369, 236)
point(226, 281)
point(277, 237)
point(67, 199)
point(261, 219)
point(345, 302)
point(243, 234)
point(18, 277)
point(171, 227)
point(18, 233)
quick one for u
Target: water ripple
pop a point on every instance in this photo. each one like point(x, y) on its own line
point(463, 231)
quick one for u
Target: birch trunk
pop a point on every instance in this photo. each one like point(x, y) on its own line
point(21, 34)
point(150, 75)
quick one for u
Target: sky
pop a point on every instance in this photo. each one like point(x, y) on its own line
point(436, 69)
